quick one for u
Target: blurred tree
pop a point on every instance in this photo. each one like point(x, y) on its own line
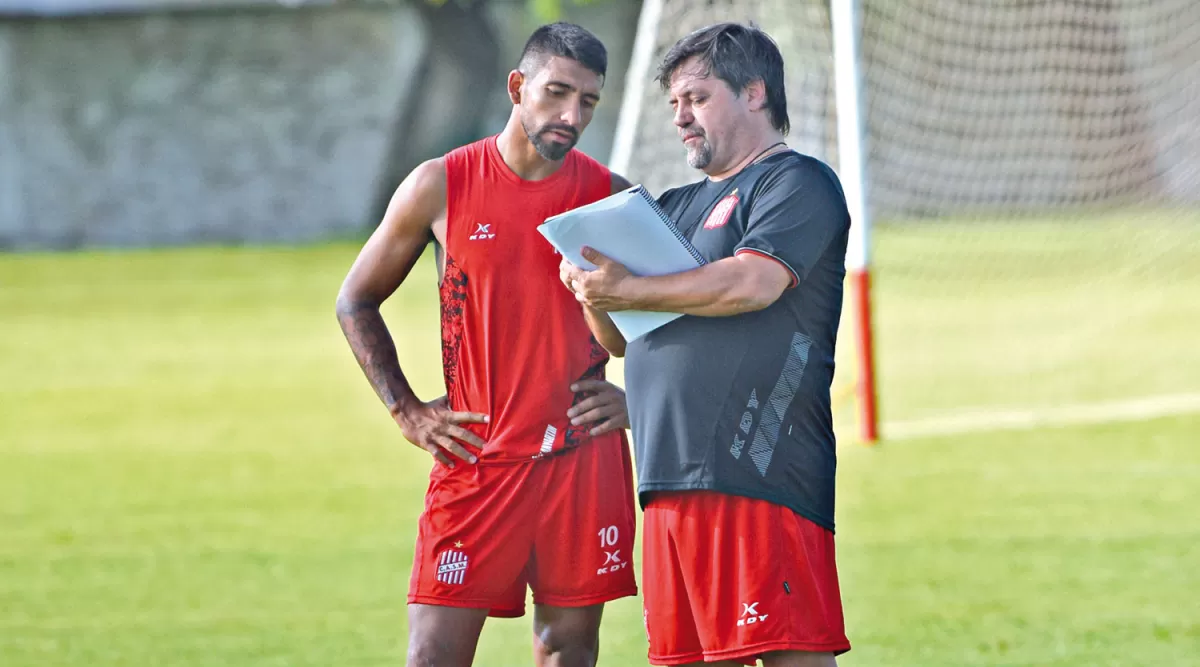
point(451, 81)
point(454, 76)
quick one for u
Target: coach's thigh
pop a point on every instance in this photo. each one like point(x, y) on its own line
point(443, 636)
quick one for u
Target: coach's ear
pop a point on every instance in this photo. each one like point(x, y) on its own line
point(756, 95)
point(515, 81)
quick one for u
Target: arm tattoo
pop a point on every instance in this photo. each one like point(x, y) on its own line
point(373, 348)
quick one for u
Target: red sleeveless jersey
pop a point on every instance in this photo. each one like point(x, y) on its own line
point(514, 338)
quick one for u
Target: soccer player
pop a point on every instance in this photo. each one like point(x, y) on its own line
point(730, 404)
point(533, 482)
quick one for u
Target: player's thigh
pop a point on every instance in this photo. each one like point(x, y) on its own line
point(586, 524)
point(443, 636)
point(474, 539)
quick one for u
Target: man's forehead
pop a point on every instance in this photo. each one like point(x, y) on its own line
point(690, 75)
point(558, 68)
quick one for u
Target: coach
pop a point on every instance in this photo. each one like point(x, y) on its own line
point(730, 404)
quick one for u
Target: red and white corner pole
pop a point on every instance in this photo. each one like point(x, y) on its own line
point(845, 20)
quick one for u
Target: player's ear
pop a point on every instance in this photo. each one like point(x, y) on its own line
point(515, 81)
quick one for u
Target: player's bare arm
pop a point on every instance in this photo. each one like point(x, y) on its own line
point(417, 208)
point(740, 284)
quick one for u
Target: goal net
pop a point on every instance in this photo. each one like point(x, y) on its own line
point(1032, 177)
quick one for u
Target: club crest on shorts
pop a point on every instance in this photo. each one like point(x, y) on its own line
point(721, 212)
point(452, 566)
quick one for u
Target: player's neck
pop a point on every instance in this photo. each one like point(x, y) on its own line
point(768, 143)
point(521, 157)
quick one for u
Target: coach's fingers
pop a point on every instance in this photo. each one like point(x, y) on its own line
point(464, 417)
point(463, 435)
point(596, 257)
point(454, 448)
point(579, 297)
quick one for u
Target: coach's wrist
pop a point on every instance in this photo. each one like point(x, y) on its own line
point(635, 294)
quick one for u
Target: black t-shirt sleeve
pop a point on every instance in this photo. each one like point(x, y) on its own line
point(794, 214)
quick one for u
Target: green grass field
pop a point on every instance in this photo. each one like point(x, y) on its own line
point(193, 471)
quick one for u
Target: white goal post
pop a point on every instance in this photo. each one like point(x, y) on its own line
point(1024, 185)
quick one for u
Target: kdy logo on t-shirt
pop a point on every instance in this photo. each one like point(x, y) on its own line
point(721, 212)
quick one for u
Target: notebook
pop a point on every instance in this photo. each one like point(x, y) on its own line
point(629, 227)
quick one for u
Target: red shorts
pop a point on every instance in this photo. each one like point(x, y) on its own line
point(730, 578)
point(562, 525)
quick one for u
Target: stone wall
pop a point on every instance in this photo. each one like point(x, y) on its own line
point(243, 125)
point(178, 128)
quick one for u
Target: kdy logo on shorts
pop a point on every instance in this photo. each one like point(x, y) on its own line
point(750, 614)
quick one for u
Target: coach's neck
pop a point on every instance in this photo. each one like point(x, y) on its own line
point(762, 141)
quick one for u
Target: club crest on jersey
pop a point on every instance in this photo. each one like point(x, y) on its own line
point(721, 212)
point(482, 232)
point(452, 566)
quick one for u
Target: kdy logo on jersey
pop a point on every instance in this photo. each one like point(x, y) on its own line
point(721, 212)
point(452, 566)
point(482, 232)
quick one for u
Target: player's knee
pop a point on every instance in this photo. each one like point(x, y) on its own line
point(567, 650)
point(432, 652)
point(799, 659)
point(558, 639)
point(568, 641)
point(443, 636)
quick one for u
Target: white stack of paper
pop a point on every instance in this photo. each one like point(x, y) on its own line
point(630, 228)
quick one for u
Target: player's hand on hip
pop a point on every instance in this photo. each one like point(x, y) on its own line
point(605, 407)
point(603, 287)
point(434, 427)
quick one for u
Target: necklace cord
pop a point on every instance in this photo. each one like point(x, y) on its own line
point(724, 192)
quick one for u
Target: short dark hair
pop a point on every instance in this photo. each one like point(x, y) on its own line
point(738, 54)
point(566, 40)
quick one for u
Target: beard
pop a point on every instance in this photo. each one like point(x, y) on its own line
point(546, 148)
point(699, 157)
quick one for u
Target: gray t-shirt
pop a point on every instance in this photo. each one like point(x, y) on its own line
point(741, 404)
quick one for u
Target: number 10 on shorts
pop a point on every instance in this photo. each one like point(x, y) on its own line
point(612, 555)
